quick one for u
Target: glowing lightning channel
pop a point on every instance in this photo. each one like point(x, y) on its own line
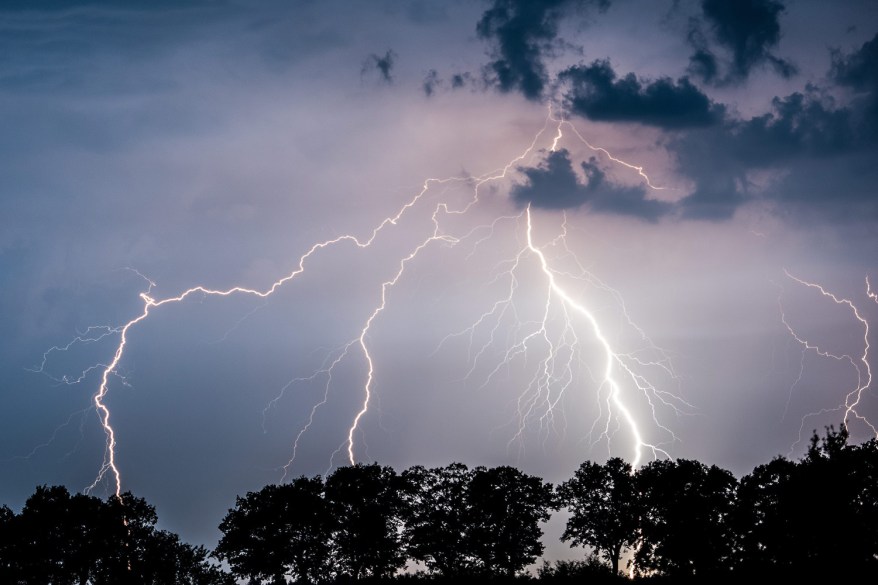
point(611, 357)
point(361, 340)
point(149, 302)
point(562, 122)
point(442, 209)
point(556, 369)
point(861, 364)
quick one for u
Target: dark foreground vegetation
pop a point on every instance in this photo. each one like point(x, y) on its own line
point(680, 521)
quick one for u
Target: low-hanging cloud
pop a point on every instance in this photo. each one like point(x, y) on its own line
point(554, 185)
point(807, 136)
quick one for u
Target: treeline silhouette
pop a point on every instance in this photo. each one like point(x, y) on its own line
point(669, 521)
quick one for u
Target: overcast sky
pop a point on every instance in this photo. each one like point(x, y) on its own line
point(214, 143)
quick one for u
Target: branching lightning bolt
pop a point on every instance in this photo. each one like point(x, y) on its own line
point(556, 370)
point(612, 359)
point(860, 364)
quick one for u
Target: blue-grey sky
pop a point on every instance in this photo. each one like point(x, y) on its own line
point(214, 143)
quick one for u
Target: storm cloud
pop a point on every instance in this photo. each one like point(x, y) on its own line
point(805, 135)
point(554, 185)
point(522, 34)
point(858, 72)
point(598, 94)
point(733, 38)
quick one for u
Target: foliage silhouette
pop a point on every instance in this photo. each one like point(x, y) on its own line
point(368, 505)
point(481, 522)
point(765, 518)
point(604, 508)
point(815, 518)
point(279, 531)
point(686, 528)
point(438, 526)
point(505, 508)
point(65, 539)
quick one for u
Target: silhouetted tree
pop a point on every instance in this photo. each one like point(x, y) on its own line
point(838, 510)
point(438, 526)
point(127, 525)
point(278, 531)
point(505, 508)
point(9, 563)
point(817, 517)
point(765, 518)
point(59, 536)
point(865, 499)
point(686, 527)
point(604, 508)
point(65, 539)
point(368, 505)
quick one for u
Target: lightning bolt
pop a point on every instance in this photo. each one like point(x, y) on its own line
point(860, 364)
point(612, 358)
point(556, 371)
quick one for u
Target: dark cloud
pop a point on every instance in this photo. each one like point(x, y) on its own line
point(703, 63)
point(596, 93)
point(554, 185)
point(381, 64)
point(818, 148)
point(859, 72)
point(747, 30)
point(803, 131)
point(522, 32)
point(801, 124)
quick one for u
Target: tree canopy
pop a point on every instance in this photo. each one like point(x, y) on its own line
point(66, 539)
point(604, 508)
point(279, 531)
point(812, 518)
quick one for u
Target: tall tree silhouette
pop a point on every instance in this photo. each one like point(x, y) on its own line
point(368, 505)
point(505, 508)
point(129, 523)
point(604, 508)
point(817, 517)
point(279, 531)
point(836, 526)
point(686, 522)
point(438, 526)
point(765, 518)
point(60, 537)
